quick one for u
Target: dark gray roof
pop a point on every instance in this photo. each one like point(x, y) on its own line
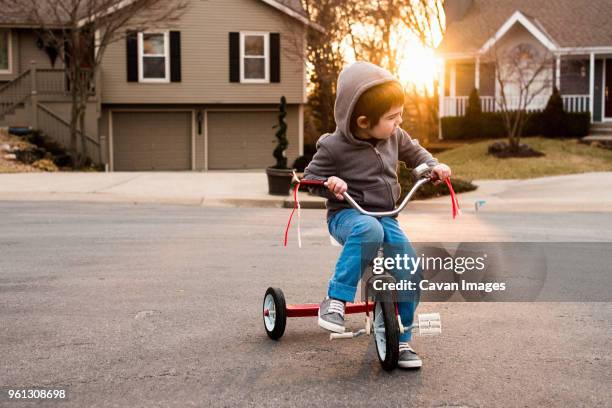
point(294, 5)
point(570, 23)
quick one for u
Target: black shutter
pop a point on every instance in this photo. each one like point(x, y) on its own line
point(175, 56)
point(234, 57)
point(131, 46)
point(274, 57)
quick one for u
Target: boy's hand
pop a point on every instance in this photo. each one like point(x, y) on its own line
point(337, 186)
point(440, 173)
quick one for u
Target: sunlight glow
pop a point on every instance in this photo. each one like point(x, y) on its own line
point(417, 65)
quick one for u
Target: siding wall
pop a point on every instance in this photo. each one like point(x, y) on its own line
point(24, 50)
point(519, 35)
point(205, 28)
point(64, 109)
point(28, 51)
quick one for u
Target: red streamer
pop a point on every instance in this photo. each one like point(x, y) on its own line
point(454, 201)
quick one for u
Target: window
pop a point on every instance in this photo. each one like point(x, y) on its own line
point(153, 53)
point(254, 57)
point(5, 51)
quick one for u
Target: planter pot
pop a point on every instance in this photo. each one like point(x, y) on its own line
point(279, 180)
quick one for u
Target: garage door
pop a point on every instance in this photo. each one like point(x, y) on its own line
point(151, 141)
point(241, 140)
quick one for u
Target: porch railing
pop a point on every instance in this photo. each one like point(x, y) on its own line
point(576, 103)
point(58, 129)
point(15, 92)
point(457, 105)
point(50, 81)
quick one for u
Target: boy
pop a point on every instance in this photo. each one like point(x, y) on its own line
point(361, 157)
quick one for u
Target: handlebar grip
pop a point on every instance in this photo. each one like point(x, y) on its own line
point(312, 182)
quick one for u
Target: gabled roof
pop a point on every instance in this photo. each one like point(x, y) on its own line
point(292, 8)
point(566, 23)
point(530, 24)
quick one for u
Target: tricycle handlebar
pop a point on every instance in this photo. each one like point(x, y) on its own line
point(421, 173)
point(391, 213)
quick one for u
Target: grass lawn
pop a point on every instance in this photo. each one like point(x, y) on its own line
point(567, 156)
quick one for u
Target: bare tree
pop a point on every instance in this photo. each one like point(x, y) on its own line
point(523, 77)
point(319, 47)
point(424, 19)
point(80, 31)
point(371, 29)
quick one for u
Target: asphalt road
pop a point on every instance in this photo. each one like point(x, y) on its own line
point(152, 305)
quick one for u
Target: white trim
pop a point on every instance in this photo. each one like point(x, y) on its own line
point(9, 51)
point(304, 68)
point(266, 57)
point(558, 73)
point(441, 86)
point(520, 18)
point(193, 140)
point(294, 14)
point(205, 139)
point(477, 74)
point(111, 143)
point(591, 84)
point(452, 89)
point(586, 50)
point(166, 56)
point(111, 156)
point(275, 4)
point(112, 9)
point(96, 43)
point(301, 130)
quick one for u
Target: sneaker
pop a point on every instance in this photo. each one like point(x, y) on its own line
point(331, 315)
point(408, 358)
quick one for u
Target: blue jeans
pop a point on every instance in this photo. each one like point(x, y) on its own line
point(351, 229)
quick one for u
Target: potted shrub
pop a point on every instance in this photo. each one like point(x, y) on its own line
point(279, 175)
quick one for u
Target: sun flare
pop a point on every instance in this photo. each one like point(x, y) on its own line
point(417, 64)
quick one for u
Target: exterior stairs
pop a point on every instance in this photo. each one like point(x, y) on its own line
point(601, 131)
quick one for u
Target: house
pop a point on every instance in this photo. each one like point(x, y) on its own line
point(191, 97)
point(576, 34)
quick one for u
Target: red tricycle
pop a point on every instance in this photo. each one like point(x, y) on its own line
point(385, 324)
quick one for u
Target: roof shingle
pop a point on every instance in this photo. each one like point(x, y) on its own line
point(570, 23)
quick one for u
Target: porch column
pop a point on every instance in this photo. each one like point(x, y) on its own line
point(452, 90)
point(477, 74)
point(591, 84)
point(453, 79)
point(558, 73)
point(441, 85)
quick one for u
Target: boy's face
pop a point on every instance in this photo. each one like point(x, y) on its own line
point(385, 127)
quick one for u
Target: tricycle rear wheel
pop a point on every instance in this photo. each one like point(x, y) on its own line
point(274, 313)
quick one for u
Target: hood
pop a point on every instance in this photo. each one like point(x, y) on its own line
point(353, 81)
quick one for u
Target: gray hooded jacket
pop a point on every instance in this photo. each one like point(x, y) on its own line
point(369, 171)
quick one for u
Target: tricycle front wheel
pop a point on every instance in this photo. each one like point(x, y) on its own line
point(386, 334)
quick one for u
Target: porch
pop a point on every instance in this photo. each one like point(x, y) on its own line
point(581, 79)
point(39, 98)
